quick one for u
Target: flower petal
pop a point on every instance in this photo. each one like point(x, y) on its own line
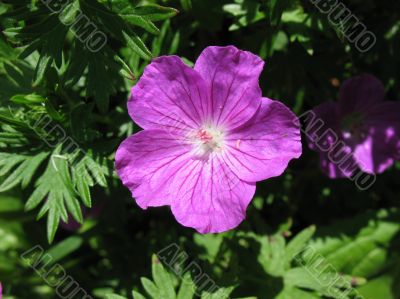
point(375, 154)
point(344, 167)
point(381, 145)
point(322, 126)
point(359, 93)
point(203, 194)
point(170, 95)
point(324, 135)
point(210, 197)
point(232, 76)
point(263, 147)
point(379, 150)
point(145, 162)
point(385, 113)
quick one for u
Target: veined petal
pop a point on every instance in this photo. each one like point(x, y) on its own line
point(203, 194)
point(359, 93)
point(159, 170)
point(210, 197)
point(145, 162)
point(232, 77)
point(263, 147)
point(170, 95)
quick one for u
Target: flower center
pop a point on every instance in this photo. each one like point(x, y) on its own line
point(204, 136)
point(207, 141)
point(352, 124)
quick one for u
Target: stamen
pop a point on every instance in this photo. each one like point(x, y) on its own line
point(204, 136)
point(207, 141)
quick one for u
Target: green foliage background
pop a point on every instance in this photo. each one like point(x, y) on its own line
point(46, 72)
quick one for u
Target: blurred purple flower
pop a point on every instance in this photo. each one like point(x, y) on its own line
point(208, 137)
point(360, 131)
point(1, 291)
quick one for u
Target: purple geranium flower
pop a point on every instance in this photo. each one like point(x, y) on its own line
point(361, 131)
point(208, 137)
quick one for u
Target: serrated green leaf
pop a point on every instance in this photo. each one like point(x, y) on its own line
point(23, 173)
point(56, 187)
point(8, 161)
point(34, 163)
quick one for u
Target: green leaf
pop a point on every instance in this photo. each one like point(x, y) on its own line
point(296, 245)
point(291, 293)
point(23, 173)
point(381, 287)
point(27, 99)
point(158, 42)
point(187, 288)
point(186, 4)
point(137, 45)
point(99, 85)
point(272, 255)
point(150, 287)
point(44, 62)
point(125, 67)
point(65, 248)
point(83, 189)
point(276, 9)
point(113, 296)
point(374, 261)
point(137, 295)
point(56, 187)
point(327, 283)
point(53, 220)
point(221, 293)
point(155, 12)
point(141, 22)
point(69, 12)
point(162, 279)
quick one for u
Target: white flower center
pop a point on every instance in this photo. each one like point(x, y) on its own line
point(206, 141)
